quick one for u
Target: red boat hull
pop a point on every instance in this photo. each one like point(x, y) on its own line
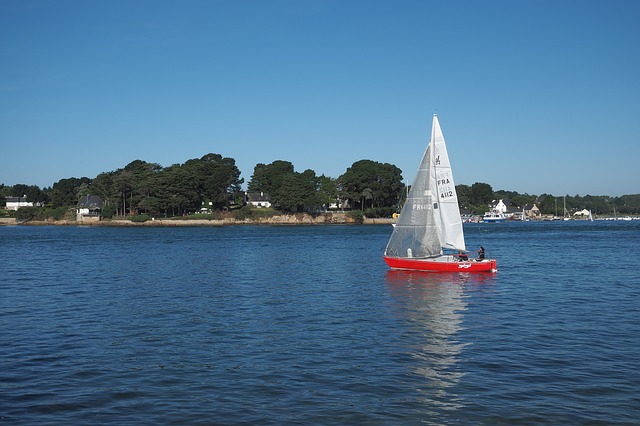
point(487, 265)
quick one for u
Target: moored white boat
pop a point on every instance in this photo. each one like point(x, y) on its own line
point(494, 217)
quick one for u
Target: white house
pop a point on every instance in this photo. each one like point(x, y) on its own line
point(584, 212)
point(339, 204)
point(258, 199)
point(14, 203)
point(502, 206)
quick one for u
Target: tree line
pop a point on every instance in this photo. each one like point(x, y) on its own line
point(213, 182)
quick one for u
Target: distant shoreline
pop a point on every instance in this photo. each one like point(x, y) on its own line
point(290, 220)
point(286, 220)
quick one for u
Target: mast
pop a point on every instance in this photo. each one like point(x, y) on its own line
point(433, 181)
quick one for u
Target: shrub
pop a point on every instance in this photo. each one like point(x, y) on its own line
point(198, 216)
point(248, 212)
point(379, 212)
point(139, 218)
point(109, 211)
point(356, 215)
point(242, 213)
point(262, 213)
point(28, 213)
point(55, 213)
point(44, 213)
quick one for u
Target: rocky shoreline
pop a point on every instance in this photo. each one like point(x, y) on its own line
point(275, 220)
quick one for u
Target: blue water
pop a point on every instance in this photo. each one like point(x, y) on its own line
point(306, 325)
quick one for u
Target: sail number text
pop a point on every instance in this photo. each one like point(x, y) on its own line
point(444, 186)
point(421, 207)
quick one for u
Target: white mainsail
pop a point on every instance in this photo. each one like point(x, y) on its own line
point(430, 218)
point(450, 227)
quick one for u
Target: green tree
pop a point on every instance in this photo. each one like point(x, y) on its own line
point(522, 200)
point(628, 204)
point(464, 195)
point(183, 190)
point(313, 200)
point(213, 179)
point(221, 180)
point(367, 194)
point(297, 192)
point(123, 183)
point(33, 193)
point(103, 186)
point(481, 194)
point(601, 204)
point(142, 179)
point(291, 193)
point(5, 191)
point(390, 188)
point(268, 177)
point(367, 181)
point(548, 204)
point(327, 191)
point(67, 192)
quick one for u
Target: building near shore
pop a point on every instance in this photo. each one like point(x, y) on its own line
point(89, 209)
point(14, 203)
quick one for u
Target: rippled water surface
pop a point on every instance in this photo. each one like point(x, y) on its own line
point(306, 325)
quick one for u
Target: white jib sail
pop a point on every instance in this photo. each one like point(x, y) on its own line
point(415, 235)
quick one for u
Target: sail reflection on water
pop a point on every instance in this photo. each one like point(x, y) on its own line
point(433, 306)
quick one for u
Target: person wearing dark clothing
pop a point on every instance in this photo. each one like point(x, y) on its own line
point(462, 256)
point(481, 253)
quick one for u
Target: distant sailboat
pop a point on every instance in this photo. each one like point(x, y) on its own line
point(566, 212)
point(430, 219)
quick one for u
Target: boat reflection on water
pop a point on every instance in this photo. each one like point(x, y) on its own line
point(433, 306)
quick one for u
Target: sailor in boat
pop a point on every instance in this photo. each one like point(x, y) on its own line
point(462, 256)
point(481, 253)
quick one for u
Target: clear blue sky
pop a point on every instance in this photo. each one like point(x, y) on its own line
point(533, 96)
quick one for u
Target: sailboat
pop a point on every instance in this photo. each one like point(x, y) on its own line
point(430, 221)
point(567, 216)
